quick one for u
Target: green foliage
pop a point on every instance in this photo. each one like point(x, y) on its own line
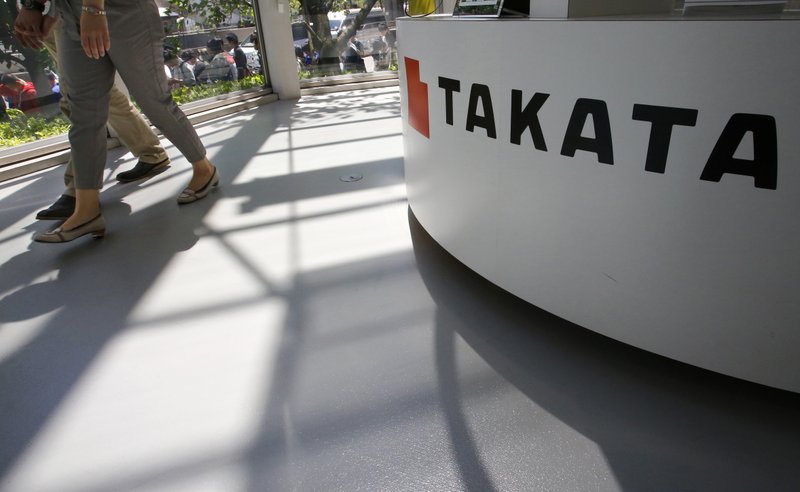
point(215, 12)
point(203, 91)
point(174, 44)
point(20, 128)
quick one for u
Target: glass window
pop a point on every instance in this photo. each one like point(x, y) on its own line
point(344, 38)
point(29, 88)
point(210, 49)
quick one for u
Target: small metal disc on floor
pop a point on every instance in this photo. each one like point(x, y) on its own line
point(347, 178)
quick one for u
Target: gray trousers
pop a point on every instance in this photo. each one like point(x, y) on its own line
point(137, 54)
point(131, 128)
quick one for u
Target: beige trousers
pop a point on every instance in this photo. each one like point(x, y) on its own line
point(126, 121)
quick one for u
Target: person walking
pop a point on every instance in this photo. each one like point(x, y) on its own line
point(132, 131)
point(98, 38)
point(239, 58)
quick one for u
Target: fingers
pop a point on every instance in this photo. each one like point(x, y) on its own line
point(29, 39)
point(95, 45)
point(27, 31)
point(95, 39)
point(47, 24)
point(28, 34)
point(24, 40)
point(35, 42)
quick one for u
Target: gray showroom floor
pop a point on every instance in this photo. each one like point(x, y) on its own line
point(300, 331)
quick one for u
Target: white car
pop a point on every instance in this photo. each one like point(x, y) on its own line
point(335, 20)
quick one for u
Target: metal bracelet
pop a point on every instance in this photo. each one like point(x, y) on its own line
point(92, 10)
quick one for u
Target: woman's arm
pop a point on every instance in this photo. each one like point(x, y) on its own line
point(94, 29)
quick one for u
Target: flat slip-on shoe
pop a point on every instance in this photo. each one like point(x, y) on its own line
point(188, 195)
point(143, 170)
point(96, 227)
point(61, 209)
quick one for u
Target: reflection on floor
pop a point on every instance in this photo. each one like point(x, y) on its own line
point(299, 330)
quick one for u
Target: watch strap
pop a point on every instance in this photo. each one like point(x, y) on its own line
point(38, 5)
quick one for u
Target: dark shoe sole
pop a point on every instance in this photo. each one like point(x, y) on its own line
point(142, 171)
point(54, 214)
point(62, 209)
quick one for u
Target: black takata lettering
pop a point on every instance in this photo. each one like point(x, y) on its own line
point(601, 143)
point(450, 86)
point(764, 166)
point(480, 93)
point(662, 119)
point(528, 118)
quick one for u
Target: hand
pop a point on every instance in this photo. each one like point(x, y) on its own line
point(48, 21)
point(94, 35)
point(29, 28)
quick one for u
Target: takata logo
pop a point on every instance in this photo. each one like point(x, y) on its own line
point(524, 119)
point(417, 99)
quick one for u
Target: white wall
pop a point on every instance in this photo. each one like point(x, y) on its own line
point(550, 8)
point(700, 271)
point(279, 47)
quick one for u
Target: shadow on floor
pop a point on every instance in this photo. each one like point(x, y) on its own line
point(662, 425)
point(87, 290)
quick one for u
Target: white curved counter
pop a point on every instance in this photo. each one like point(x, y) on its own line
point(638, 177)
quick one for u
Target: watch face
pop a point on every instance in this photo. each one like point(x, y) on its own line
point(34, 5)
